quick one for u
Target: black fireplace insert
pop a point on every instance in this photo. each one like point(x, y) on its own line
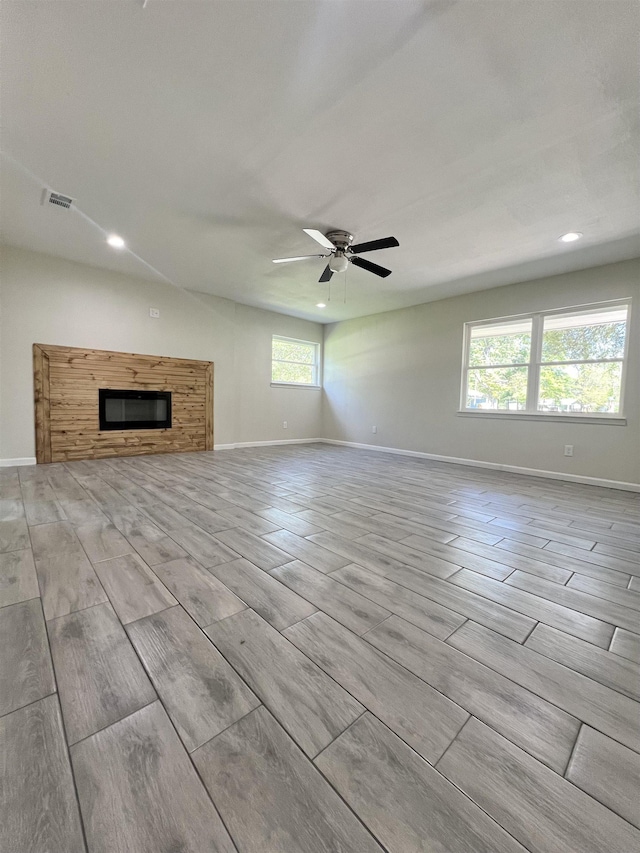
point(134, 409)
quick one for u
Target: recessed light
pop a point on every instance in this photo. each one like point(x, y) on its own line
point(320, 305)
point(115, 242)
point(570, 237)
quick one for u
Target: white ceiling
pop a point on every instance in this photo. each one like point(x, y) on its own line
point(208, 134)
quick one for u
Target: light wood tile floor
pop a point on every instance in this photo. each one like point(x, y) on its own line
point(315, 649)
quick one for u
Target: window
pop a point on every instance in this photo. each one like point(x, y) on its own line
point(295, 362)
point(568, 362)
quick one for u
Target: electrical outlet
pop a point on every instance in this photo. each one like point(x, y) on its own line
point(154, 312)
point(374, 429)
point(284, 425)
point(568, 450)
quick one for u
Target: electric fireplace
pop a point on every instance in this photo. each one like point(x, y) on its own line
point(134, 409)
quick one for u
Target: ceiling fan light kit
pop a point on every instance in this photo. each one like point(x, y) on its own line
point(338, 262)
point(342, 253)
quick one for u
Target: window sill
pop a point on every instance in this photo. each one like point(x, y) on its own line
point(607, 420)
point(295, 385)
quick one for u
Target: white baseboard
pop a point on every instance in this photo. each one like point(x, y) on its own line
point(267, 443)
point(24, 460)
point(496, 466)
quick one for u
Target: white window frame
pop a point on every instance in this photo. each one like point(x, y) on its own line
point(535, 364)
point(316, 364)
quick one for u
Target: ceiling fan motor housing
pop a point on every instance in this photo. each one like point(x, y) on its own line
point(340, 239)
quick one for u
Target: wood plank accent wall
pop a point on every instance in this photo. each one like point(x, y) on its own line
point(66, 383)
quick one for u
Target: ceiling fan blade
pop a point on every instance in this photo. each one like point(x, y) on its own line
point(299, 258)
point(369, 267)
point(319, 237)
point(326, 274)
point(384, 243)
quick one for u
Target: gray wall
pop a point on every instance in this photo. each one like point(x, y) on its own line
point(51, 301)
point(401, 371)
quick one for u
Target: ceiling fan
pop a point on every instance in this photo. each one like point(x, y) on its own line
point(341, 253)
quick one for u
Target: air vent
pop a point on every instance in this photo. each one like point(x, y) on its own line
point(56, 198)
